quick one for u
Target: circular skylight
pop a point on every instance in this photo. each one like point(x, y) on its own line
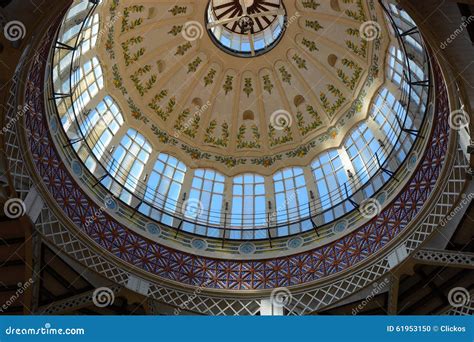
point(205, 144)
point(246, 28)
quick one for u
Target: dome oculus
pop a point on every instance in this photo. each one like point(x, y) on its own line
point(246, 28)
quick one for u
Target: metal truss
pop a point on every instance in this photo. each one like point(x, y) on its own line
point(445, 258)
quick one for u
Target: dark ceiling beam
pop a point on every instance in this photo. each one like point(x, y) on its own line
point(392, 297)
point(439, 291)
point(416, 289)
point(12, 263)
point(12, 241)
point(32, 271)
point(61, 280)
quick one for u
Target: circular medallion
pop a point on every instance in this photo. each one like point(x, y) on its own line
point(382, 197)
point(53, 124)
point(340, 226)
point(247, 248)
point(412, 160)
point(77, 168)
point(295, 242)
point(111, 203)
point(153, 228)
point(199, 244)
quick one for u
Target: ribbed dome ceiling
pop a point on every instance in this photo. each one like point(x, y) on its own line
point(213, 109)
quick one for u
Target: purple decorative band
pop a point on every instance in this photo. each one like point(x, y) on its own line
point(223, 274)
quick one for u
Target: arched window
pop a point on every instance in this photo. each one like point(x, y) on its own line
point(291, 196)
point(418, 95)
point(86, 83)
point(248, 202)
point(331, 176)
point(90, 33)
point(207, 190)
point(63, 58)
point(70, 34)
point(385, 111)
point(77, 9)
point(404, 22)
point(164, 187)
point(127, 165)
point(363, 150)
point(99, 127)
point(396, 65)
point(361, 146)
point(401, 14)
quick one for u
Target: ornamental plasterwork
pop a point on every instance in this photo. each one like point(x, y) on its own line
point(213, 109)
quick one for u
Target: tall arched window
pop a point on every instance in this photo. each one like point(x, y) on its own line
point(385, 111)
point(90, 33)
point(86, 83)
point(331, 176)
point(248, 202)
point(291, 196)
point(418, 95)
point(396, 65)
point(164, 187)
point(361, 146)
point(127, 165)
point(99, 127)
point(77, 9)
point(207, 190)
point(70, 34)
point(404, 22)
point(401, 13)
point(63, 58)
